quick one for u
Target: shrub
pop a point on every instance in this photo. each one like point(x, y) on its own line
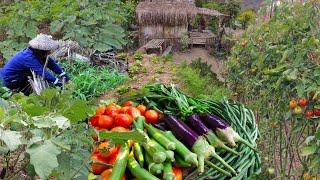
point(246, 17)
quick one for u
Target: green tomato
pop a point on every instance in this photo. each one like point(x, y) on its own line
point(271, 171)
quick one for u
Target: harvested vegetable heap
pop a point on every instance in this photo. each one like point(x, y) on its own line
point(173, 131)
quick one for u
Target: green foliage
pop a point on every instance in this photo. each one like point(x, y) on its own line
point(184, 42)
point(136, 67)
point(46, 136)
point(122, 137)
point(231, 8)
point(92, 81)
point(275, 62)
point(94, 24)
point(5, 93)
point(194, 84)
point(138, 56)
point(246, 17)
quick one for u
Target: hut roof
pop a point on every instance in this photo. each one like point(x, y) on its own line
point(209, 12)
point(174, 13)
point(165, 13)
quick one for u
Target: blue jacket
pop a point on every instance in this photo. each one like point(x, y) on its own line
point(25, 61)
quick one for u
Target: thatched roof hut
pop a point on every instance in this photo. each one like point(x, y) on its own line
point(168, 20)
point(150, 13)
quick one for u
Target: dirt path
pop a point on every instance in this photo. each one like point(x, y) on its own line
point(217, 65)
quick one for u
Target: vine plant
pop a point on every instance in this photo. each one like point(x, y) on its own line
point(278, 61)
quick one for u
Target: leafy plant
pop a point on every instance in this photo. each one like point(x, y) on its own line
point(92, 81)
point(193, 83)
point(39, 133)
point(94, 24)
point(138, 56)
point(184, 42)
point(136, 67)
point(5, 93)
point(274, 63)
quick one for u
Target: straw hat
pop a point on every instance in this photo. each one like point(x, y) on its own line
point(44, 42)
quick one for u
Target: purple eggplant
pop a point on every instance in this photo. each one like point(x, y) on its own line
point(223, 130)
point(161, 126)
point(198, 144)
point(196, 124)
point(181, 130)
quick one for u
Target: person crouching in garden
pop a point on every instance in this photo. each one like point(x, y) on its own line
point(33, 59)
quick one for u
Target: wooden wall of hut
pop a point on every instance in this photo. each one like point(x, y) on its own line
point(171, 34)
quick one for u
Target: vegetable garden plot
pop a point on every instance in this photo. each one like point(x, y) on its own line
point(192, 134)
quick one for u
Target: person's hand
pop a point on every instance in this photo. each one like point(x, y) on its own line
point(66, 78)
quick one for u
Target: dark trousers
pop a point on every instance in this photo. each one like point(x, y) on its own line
point(20, 84)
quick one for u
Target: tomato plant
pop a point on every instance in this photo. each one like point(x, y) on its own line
point(286, 67)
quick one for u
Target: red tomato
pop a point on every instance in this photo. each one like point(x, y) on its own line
point(134, 112)
point(119, 129)
point(308, 114)
point(95, 167)
point(316, 112)
point(106, 174)
point(177, 173)
point(152, 116)
point(123, 120)
point(112, 110)
point(95, 150)
point(142, 109)
point(303, 102)
point(100, 110)
point(106, 151)
point(105, 122)
point(94, 120)
point(128, 103)
point(124, 109)
point(112, 160)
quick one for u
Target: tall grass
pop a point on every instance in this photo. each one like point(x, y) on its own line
point(197, 85)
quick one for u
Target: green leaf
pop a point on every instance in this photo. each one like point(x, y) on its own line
point(91, 176)
point(35, 110)
point(43, 122)
point(44, 158)
point(77, 112)
point(56, 26)
point(317, 135)
point(315, 162)
point(122, 137)
point(309, 150)
point(1, 114)
point(49, 94)
point(61, 121)
point(10, 138)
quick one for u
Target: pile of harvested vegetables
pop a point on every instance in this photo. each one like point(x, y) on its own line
point(202, 138)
